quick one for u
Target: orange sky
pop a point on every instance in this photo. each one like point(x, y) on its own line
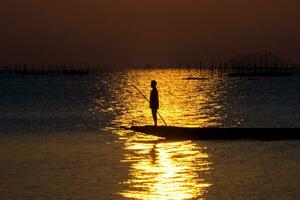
point(137, 31)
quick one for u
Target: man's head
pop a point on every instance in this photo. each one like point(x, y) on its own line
point(153, 84)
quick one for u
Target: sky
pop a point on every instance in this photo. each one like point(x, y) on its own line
point(133, 32)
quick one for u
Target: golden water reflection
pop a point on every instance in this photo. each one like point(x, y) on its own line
point(162, 169)
point(182, 102)
point(165, 170)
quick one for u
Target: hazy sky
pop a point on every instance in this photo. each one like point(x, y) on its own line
point(137, 31)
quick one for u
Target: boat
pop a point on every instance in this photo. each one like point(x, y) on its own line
point(196, 78)
point(214, 133)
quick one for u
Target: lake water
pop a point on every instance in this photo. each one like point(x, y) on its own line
point(61, 137)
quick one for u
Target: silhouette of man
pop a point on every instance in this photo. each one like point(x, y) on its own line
point(154, 103)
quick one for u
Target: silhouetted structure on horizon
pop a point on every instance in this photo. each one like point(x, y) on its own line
point(257, 64)
point(50, 69)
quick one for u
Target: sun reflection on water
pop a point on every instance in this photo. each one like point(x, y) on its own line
point(182, 102)
point(165, 170)
point(162, 169)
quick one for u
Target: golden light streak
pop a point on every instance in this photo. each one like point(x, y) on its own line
point(160, 169)
point(182, 102)
point(169, 170)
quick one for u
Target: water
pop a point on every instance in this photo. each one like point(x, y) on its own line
point(61, 137)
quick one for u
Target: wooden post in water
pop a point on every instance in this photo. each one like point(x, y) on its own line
point(200, 65)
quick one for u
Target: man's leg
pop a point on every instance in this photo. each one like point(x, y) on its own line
point(154, 115)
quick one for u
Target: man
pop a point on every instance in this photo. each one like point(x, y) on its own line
point(154, 104)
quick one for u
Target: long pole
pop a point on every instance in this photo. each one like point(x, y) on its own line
point(149, 102)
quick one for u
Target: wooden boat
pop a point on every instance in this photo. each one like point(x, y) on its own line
point(196, 78)
point(213, 133)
